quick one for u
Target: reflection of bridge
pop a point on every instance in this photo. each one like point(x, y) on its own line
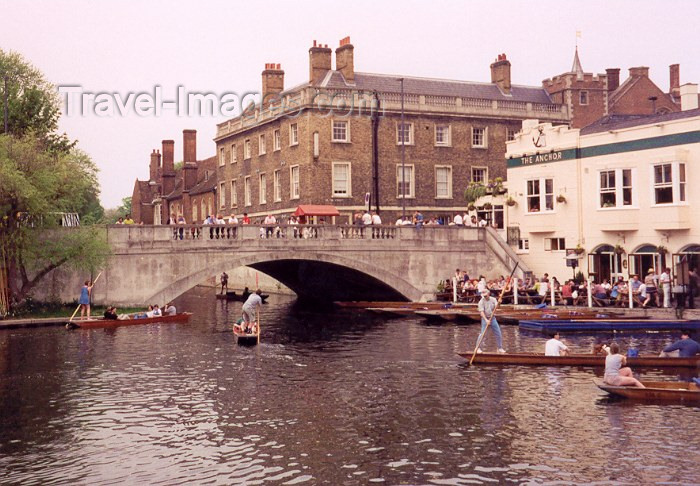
point(158, 263)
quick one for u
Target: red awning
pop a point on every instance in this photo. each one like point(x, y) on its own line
point(316, 210)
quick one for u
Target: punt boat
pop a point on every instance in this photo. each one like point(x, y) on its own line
point(131, 321)
point(537, 359)
point(569, 325)
point(670, 391)
point(245, 338)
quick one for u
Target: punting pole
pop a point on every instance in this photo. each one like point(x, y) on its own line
point(551, 292)
point(454, 289)
point(630, 294)
point(78, 308)
point(515, 290)
point(590, 293)
point(488, 323)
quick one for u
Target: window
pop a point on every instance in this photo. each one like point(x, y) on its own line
point(195, 212)
point(222, 156)
point(341, 131)
point(442, 135)
point(262, 150)
point(669, 183)
point(540, 195)
point(293, 134)
point(404, 134)
point(234, 194)
point(263, 189)
point(443, 182)
point(524, 244)
point(480, 174)
point(203, 207)
point(405, 183)
point(554, 244)
point(222, 194)
point(276, 140)
point(294, 182)
point(233, 157)
point(615, 188)
point(277, 185)
point(247, 149)
point(341, 179)
point(510, 134)
point(478, 137)
point(583, 98)
point(246, 190)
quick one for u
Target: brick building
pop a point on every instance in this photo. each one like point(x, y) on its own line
point(337, 138)
point(589, 97)
point(189, 190)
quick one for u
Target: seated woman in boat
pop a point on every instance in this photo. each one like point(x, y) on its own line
point(170, 309)
point(156, 311)
point(615, 374)
point(111, 313)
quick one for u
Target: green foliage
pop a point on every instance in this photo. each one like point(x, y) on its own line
point(579, 279)
point(474, 191)
point(33, 103)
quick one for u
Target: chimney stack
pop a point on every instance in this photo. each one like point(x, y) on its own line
point(641, 71)
point(272, 83)
point(674, 71)
point(689, 96)
point(344, 60)
point(155, 171)
point(500, 73)
point(613, 78)
point(319, 62)
point(189, 145)
point(168, 166)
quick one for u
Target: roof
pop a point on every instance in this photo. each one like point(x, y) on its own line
point(146, 191)
point(316, 210)
point(205, 184)
point(618, 122)
point(435, 87)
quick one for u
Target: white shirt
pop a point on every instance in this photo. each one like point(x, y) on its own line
point(270, 219)
point(483, 223)
point(481, 286)
point(543, 288)
point(399, 222)
point(366, 218)
point(458, 220)
point(233, 220)
point(553, 347)
point(665, 280)
point(376, 219)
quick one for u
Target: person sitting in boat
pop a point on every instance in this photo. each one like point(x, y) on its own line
point(554, 347)
point(156, 311)
point(685, 347)
point(249, 307)
point(111, 313)
point(170, 309)
point(616, 371)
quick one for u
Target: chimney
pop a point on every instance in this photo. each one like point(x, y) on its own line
point(155, 171)
point(500, 73)
point(689, 96)
point(319, 62)
point(674, 71)
point(344, 60)
point(189, 145)
point(641, 71)
point(168, 166)
point(189, 175)
point(272, 82)
point(613, 78)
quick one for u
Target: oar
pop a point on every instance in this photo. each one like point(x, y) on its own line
point(488, 323)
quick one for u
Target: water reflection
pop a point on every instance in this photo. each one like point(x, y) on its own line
point(328, 397)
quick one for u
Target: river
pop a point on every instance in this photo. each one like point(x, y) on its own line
point(332, 397)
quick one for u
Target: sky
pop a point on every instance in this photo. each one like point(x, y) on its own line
point(130, 47)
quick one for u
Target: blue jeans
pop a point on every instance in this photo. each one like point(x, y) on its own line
point(496, 330)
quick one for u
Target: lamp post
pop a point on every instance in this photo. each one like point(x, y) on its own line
point(403, 158)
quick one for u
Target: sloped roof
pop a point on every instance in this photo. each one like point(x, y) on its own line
point(435, 87)
point(618, 122)
point(576, 66)
point(146, 191)
point(205, 184)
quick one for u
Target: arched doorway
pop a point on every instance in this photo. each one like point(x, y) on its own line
point(646, 257)
point(604, 263)
point(685, 260)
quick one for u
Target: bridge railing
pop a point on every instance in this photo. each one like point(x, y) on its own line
point(202, 234)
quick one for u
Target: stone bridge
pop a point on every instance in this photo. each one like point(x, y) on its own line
point(158, 263)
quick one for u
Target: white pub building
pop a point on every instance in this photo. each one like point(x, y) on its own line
point(619, 197)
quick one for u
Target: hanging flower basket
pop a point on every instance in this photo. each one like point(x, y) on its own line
point(561, 198)
point(619, 250)
point(488, 205)
point(662, 250)
point(511, 202)
point(579, 250)
point(471, 207)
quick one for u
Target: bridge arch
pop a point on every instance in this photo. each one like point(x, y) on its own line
point(326, 276)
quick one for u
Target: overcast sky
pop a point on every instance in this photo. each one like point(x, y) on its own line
point(222, 46)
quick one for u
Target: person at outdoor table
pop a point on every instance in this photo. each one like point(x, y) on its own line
point(487, 306)
point(650, 282)
point(685, 347)
point(599, 291)
point(635, 283)
point(567, 292)
point(616, 371)
point(616, 291)
point(554, 347)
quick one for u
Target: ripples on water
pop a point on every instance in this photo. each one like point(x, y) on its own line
point(335, 398)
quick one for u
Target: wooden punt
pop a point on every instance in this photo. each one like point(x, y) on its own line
point(670, 391)
point(97, 323)
point(392, 311)
point(232, 295)
point(246, 338)
point(536, 359)
point(514, 315)
point(570, 325)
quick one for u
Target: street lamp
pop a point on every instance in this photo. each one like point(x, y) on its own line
point(403, 157)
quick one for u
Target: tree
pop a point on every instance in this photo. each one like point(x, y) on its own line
point(36, 185)
point(33, 104)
